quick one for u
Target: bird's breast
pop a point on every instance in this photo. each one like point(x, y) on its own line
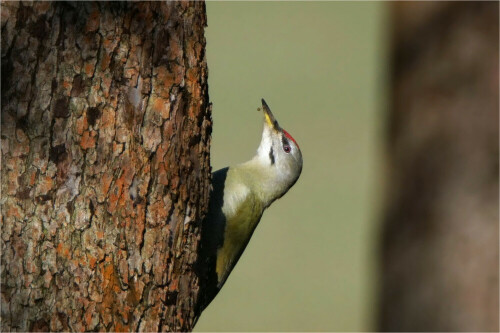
point(243, 211)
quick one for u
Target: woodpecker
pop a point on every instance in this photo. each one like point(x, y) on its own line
point(238, 198)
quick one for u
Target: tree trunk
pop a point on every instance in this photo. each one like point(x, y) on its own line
point(440, 241)
point(105, 164)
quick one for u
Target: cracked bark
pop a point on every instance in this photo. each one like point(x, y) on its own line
point(440, 238)
point(105, 164)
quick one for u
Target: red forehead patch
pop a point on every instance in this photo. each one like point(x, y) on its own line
point(290, 137)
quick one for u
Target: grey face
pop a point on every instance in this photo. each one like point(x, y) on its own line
point(282, 150)
point(292, 155)
point(285, 155)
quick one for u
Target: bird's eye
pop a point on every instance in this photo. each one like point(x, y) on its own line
point(287, 148)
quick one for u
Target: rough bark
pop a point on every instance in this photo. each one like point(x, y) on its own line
point(440, 240)
point(105, 164)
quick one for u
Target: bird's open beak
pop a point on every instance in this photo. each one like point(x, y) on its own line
point(269, 117)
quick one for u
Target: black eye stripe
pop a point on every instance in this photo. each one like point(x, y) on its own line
point(271, 155)
point(284, 140)
point(286, 144)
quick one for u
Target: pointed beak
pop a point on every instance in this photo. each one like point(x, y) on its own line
point(269, 117)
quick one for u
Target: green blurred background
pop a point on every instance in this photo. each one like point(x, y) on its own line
point(310, 265)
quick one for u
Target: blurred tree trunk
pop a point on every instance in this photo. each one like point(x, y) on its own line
point(440, 240)
point(105, 164)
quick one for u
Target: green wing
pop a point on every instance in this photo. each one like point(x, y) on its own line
point(243, 211)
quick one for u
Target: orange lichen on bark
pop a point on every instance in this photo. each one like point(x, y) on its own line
point(81, 124)
point(12, 183)
point(160, 155)
point(125, 312)
point(111, 288)
point(63, 251)
point(119, 327)
point(180, 318)
point(91, 261)
point(88, 140)
point(130, 72)
point(158, 211)
point(13, 211)
point(107, 44)
point(117, 148)
point(139, 223)
point(192, 75)
point(161, 106)
point(32, 177)
point(93, 21)
point(174, 48)
point(89, 69)
point(45, 185)
point(110, 280)
point(67, 84)
point(20, 150)
point(126, 181)
point(115, 194)
point(166, 79)
point(192, 112)
point(162, 176)
point(174, 285)
point(105, 183)
point(88, 317)
point(12, 163)
point(107, 118)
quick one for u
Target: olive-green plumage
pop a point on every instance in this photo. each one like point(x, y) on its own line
point(239, 196)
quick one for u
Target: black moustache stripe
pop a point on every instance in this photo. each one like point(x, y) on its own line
point(271, 155)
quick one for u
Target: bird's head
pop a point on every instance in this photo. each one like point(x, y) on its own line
point(279, 152)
